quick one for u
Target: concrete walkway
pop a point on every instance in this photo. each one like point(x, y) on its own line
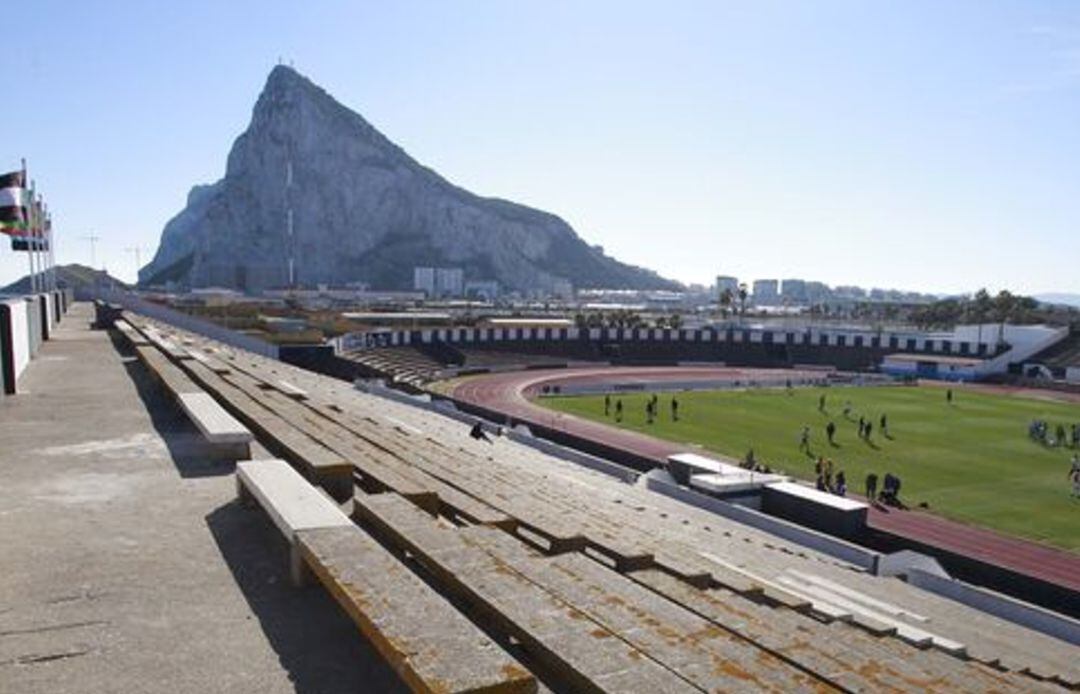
point(126, 564)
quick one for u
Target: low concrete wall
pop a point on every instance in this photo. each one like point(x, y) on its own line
point(845, 551)
point(681, 386)
point(35, 330)
point(15, 341)
point(1022, 613)
point(322, 359)
point(213, 331)
point(48, 311)
point(521, 434)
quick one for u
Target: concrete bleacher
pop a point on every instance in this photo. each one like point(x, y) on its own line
point(226, 437)
point(606, 585)
point(407, 365)
point(442, 652)
point(1063, 358)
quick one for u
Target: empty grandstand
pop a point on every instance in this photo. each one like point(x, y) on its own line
point(538, 572)
point(420, 356)
point(1062, 359)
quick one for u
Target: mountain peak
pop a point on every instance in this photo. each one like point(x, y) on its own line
point(286, 78)
point(361, 210)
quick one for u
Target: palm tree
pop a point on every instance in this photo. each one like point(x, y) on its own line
point(726, 298)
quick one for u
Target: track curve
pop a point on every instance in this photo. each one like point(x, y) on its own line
point(509, 393)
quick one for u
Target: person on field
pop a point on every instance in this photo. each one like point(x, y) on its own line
point(862, 424)
point(648, 412)
point(840, 488)
point(618, 410)
point(804, 439)
point(869, 430)
point(888, 493)
point(821, 403)
point(884, 426)
point(948, 395)
point(871, 486)
point(830, 431)
point(674, 409)
point(607, 405)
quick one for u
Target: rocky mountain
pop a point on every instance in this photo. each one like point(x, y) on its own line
point(362, 211)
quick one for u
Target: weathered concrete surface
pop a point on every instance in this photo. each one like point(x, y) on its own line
point(127, 565)
point(432, 645)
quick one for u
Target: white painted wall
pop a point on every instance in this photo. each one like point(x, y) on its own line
point(20, 336)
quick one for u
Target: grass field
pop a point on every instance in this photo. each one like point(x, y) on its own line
point(971, 461)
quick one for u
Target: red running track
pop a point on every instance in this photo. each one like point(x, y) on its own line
point(509, 393)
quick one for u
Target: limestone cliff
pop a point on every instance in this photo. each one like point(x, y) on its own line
point(362, 211)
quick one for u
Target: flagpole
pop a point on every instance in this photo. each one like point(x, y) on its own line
point(39, 285)
point(47, 233)
point(52, 252)
point(29, 254)
point(35, 240)
point(43, 248)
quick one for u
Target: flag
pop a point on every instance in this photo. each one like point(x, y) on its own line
point(13, 199)
point(33, 237)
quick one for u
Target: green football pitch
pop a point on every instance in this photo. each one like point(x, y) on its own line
point(971, 460)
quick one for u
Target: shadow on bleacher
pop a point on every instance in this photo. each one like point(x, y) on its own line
point(187, 448)
point(314, 639)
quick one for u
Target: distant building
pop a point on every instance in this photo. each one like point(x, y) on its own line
point(562, 289)
point(484, 290)
point(726, 282)
point(766, 292)
point(817, 292)
point(849, 292)
point(794, 291)
point(449, 281)
point(424, 280)
point(439, 282)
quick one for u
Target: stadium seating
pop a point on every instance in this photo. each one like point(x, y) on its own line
point(603, 585)
point(1062, 355)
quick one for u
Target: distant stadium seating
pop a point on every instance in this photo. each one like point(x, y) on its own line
point(422, 363)
point(1061, 356)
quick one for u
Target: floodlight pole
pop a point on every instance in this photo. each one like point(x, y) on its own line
point(93, 249)
point(137, 250)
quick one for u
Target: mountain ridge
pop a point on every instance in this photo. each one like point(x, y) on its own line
point(72, 275)
point(363, 211)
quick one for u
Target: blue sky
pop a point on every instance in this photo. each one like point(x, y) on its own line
point(922, 145)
